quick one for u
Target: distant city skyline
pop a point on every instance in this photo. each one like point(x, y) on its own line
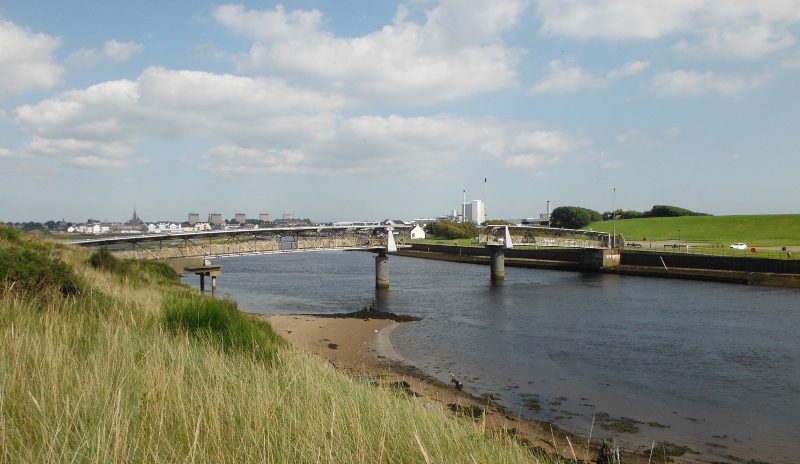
point(364, 110)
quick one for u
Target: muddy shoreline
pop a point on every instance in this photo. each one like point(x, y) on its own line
point(360, 346)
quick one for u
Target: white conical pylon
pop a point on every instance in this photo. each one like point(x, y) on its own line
point(391, 247)
point(507, 240)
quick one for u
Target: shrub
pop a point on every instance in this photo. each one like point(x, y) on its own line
point(103, 259)
point(451, 230)
point(161, 270)
point(671, 211)
point(34, 272)
point(146, 271)
point(573, 217)
point(221, 323)
point(655, 211)
point(9, 234)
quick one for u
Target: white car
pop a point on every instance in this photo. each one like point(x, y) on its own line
point(739, 246)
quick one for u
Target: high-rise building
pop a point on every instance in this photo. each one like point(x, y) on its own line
point(475, 212)
point(194, 218)
point(241, 218)
point(287, 215)
point(263, 217)
point(215, 218)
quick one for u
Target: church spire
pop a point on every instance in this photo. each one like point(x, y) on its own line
point(135, 219)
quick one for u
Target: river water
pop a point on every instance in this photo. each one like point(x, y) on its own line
point(712, 366)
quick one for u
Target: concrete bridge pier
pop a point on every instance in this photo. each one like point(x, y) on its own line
point(497, 261)
point(594, 259)
point(382, 261)
point(207, 269)
point(382, 270)
point(497, 256)
point(203, 284)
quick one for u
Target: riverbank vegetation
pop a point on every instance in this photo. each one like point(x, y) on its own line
point(103, 360)
point(450, 230)
point(575, 217)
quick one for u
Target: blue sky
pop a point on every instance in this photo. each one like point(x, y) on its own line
point(368, 110)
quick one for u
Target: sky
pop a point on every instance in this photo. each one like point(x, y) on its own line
point(368, 110)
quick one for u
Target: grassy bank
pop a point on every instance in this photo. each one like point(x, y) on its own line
point(758, 231)
point(116, 361)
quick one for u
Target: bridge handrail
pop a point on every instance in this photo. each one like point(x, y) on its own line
point(234, 232)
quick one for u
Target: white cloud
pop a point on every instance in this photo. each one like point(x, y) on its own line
point(457, 52)
point(82, 153)
point(525, 161)
point(228, 159)
point(112, 52)
point(26, 60)
point(628, 69)
point(675, 133)
point(531, 161)
point(634, 137)
point(173, 104)
point(735, 157)
point(564, 77)
point(6, 153)
point(682, 82)
point(180, 103)
point(741, 28)
point(265, 125)
point(604, 159)
point(548, 141)
point(120, 52)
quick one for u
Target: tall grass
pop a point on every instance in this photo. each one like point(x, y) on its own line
point(220, 322)
point(135, 373)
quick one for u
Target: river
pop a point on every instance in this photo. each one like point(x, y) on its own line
point(712, 366)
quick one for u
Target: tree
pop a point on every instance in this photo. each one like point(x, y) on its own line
point(573, 217)
point(451, 230)
point(671, 211)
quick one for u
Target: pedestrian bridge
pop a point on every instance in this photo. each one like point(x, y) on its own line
point(188, 247)
point(532, 236)
point(237, 242)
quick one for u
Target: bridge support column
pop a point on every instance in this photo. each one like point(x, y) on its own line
point(497, 261)
point(382, 270)
point(594, 259)
point(207, 269)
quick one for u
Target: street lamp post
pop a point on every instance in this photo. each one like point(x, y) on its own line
point(679, 236)
point(614, 217)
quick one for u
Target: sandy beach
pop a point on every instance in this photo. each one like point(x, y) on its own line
point(362, 348)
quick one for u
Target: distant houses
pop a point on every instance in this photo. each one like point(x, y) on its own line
point(414, 229)
point(417, 233)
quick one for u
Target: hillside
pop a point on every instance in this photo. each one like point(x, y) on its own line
point(759, 231)
point(103, 360)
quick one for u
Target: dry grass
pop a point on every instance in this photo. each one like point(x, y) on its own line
point(100, 378)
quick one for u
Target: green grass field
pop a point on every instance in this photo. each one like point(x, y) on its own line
point(757, 231)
